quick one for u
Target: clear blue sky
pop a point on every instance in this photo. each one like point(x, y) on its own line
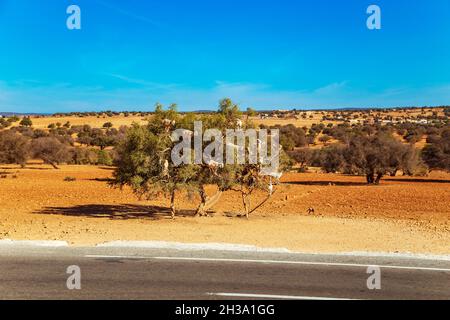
point(265, 54)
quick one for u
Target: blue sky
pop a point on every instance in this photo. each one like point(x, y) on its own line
point(265, 54)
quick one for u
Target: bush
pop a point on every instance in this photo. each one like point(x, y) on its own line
point(104, 158)
point(437, 154)
point(4, 123)
point(83, 156)
point(13, 119)
point(325, 139)
point(14, 148)
point(26, 122)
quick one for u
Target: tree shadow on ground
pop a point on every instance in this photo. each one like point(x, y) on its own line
point(26, 168)
point(107, 168)
point(363, 183)
point(416, 180)
point(101, 179)
point(115, 212)
point(327, 183)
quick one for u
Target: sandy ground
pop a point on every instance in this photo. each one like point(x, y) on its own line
point(94, 121)
point(401, 215)
point(117, 121)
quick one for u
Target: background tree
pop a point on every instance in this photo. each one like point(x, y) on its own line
point(378, 155)
point(14, 148)
point(51, 151)
point(26, 122)
point(437, 154)
point(302, 156)
point(144, 160)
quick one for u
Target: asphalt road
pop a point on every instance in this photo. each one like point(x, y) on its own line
point(145, 274)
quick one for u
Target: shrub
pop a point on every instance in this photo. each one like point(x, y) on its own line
point(14, 148)
point(437, 154)
point(26, 122)
point(83, 156)
point(104, 158)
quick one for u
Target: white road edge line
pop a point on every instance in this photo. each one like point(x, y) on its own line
point(115, 257)
point(330, 264)
point(270, 296)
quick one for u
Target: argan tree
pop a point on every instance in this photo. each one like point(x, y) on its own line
point(51, 151)
point(437, 154)
point(373, 156)
point(14, 148)
point(378, 155)
point(144, 159)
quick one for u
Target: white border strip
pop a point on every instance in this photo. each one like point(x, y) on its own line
point(270, 296)
point(35, 243)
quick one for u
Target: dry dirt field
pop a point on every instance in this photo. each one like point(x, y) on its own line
point(95, 122)
point(117, 121)
point(400, 215)
point(42, 122)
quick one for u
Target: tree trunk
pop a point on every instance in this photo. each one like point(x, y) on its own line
point(206, 202)
point(172, 205)
point(245, 202)
point(54, 165)
point(378, 179)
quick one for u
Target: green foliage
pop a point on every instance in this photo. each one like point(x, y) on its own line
point(251, 112)
point(373, 156)
point(13, 119)
point(26, 122)
point(437, 153)
point(144, 159)
point(104, 158)
point(230, 111)
point(4, 123)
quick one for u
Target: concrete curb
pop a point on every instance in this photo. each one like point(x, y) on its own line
point(33, 243)
point(191, 246)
